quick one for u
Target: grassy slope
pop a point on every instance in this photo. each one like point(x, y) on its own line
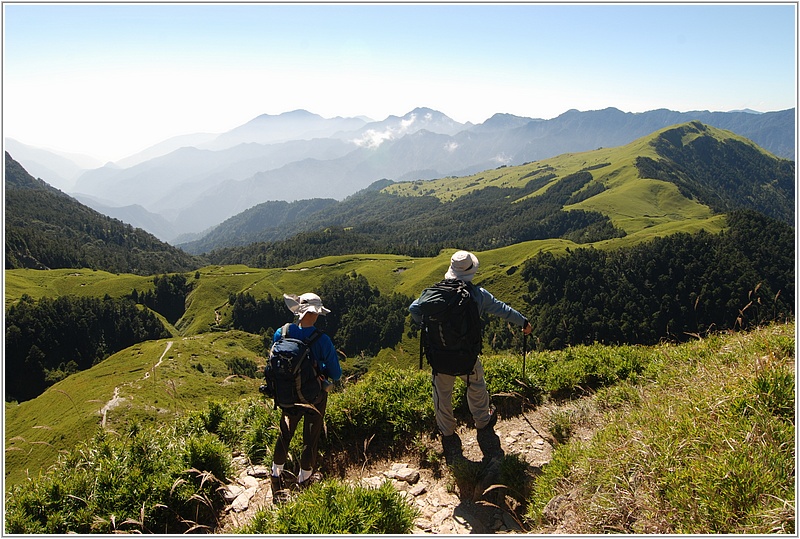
point(62, 282)
point(701, 444)
point(70, 410)
point(633, 204)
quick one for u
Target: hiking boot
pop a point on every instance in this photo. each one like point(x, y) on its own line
point(489, 441)
point(451, 445)
point(279, 493)
point(315, 477)
point(492, 418)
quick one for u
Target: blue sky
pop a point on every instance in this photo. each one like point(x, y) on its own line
point(109, 80)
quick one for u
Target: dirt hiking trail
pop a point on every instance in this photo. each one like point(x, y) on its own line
point(444, 505)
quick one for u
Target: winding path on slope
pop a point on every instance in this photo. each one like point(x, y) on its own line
point(160, 361)
point(116, 399)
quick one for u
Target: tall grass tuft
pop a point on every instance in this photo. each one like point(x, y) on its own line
point(334, 507)
point(146, 480)
point(386, 405)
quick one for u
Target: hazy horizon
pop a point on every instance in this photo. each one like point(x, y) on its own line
point(110, 80)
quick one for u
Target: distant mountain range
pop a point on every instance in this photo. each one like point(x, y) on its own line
point(682, 178)
point(179, 189)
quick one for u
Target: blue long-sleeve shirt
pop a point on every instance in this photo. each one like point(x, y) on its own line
point(487, 303)
point(322, 350)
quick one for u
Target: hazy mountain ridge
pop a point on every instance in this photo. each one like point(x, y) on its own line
point(711, 169)
point(196, 188)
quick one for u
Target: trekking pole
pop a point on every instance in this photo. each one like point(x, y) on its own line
point(524, 353)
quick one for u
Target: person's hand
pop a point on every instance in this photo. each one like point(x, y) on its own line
point(527, 329)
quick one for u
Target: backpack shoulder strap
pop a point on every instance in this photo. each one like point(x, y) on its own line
point(316, 334)
point(285, 330)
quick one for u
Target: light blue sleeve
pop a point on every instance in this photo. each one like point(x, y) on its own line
point(487, 303)
point(416, 314)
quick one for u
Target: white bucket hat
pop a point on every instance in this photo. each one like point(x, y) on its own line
point(306, 303)
point(463, 266)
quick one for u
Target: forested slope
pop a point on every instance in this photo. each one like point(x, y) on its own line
point(44, 228)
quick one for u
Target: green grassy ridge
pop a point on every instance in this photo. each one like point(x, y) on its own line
point(703, 443)
point(389, 273)
point(76, 282)
point(70, 410)
point(632, 203)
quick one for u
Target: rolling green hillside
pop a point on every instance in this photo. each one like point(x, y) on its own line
point(668, 181)
point(631, 198)
point(148, 383)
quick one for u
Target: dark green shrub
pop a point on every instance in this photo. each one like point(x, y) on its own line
point(333, 507)
point(390, 404)
point(243, 366)
point(208, 454)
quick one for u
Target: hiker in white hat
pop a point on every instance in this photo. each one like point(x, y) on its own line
point(307, 307)
point(306, 303)
point(463, 266)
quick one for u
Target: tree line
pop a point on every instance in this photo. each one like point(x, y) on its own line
point(362, 321)
point(670, 288)
point(168, 296)
point(49, 339)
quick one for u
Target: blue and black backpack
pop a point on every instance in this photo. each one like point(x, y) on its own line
point(291, 373)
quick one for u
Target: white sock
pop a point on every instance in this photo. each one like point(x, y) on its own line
point(304, 474)
point(277, 469)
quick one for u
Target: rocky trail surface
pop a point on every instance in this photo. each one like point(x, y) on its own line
point(445, 504)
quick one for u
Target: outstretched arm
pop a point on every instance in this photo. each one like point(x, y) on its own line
point(487, 303)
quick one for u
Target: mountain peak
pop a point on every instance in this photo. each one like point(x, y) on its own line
point(501, 121)
point(300, 113)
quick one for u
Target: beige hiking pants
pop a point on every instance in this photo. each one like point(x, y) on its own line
point(477, 399)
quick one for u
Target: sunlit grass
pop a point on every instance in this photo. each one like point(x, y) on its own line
point(705, 446)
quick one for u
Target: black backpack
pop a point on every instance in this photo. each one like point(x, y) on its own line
point(291, 374)
point(451, 327)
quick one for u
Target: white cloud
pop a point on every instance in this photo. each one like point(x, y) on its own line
point(372, 138)
point(451, 146)
point(502, 158)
